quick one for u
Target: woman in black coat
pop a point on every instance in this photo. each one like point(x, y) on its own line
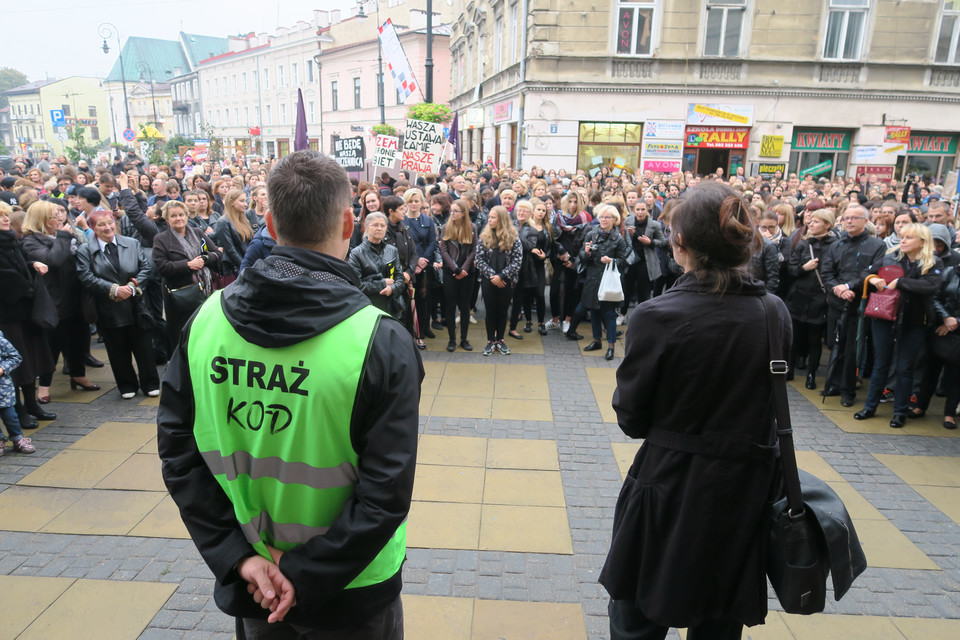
point(53, 244)
point(687, 545)
point(17, 293)
point(947, 308)
point(184, 257)
point(111, 267)
point(603, 245)
point(807, 300)
point(378, 265)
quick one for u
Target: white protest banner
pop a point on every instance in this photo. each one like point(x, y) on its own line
point(397, 62)
point(385, 153)
point(422, 146)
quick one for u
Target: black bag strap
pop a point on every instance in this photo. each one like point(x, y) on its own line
point(779, 367)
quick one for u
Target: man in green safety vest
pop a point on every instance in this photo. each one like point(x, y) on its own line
point(288, 428)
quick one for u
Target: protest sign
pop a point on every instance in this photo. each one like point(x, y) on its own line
point(349, 153)
point(422, 146)
point(385, 153)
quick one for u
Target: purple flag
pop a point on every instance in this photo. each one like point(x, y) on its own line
point(300, 141)
point(454, 137)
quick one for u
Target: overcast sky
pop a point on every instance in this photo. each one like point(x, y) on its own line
point(59, 38)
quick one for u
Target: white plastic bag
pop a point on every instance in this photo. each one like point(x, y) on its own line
point(610, 288)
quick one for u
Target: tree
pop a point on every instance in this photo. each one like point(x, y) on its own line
point(430, 112)
point(9, 78)
point(80, 148)
point(172, 148)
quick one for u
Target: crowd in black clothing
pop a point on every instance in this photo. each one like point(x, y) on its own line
point(131, 249)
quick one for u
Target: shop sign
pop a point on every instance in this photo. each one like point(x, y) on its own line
point(503, 111)
point(898, 134)
point(718, 137)
point(768, 169)
point(474, 117)
point(662, 166)
point(807, 140)
point(86, 122)
point(771, 146)
point(720, 115)
point(930, 144)
point(879, 154)
point(663, 129)
point(652, 150)
point(817, 169)
point(880, 173)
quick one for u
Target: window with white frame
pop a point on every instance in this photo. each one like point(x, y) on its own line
point(310, 114)
point(846, 26)
point(294, 72)
point(236, 116)
point(256, 115)
point(334, 95)
point(269, 114)
point(724, 27)
point(634, 30)
point(246, 116)
point(498, 44)
point(310, 71)
point(216, 87)
point(243, 76)
point(356, 93)
point(281, 77)
point(949, 32)
point(236, 87)
point(513, 45)
point(283, 114)
point(266, 79)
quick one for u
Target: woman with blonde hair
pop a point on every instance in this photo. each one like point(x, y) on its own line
point(458, 249)
point(233, 233)
point(499, 256)
point(918, 285)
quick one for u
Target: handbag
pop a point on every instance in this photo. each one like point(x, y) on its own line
point(44, 312)
point(810, 533)
point(183, 301)
point(611, 290)
point(222, 280)
point(946, 348)
point(884, 305)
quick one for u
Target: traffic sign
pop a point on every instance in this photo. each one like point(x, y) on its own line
point(57, 118)
point(129, 135)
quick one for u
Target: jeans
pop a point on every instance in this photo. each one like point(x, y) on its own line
point(496, 301)
point(627, 622)
point(604, 317)
point(385, 625)
point(911, 339)
point(12, 422)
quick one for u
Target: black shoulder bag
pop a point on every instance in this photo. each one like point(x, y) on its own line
point(810, 532)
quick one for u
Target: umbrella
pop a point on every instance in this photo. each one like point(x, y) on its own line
point(838, 336)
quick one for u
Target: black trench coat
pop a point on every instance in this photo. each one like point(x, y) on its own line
point(687, 536)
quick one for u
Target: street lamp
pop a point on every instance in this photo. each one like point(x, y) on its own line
point(141, 67)
point(380, 95)
point(319, 62)
point(108, 30)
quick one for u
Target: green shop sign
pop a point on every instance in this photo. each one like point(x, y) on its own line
point(817, 169)
point(933, 144)
point(811, 140)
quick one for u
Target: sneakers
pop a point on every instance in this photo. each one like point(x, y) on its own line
point(887, 396)
point(128, 395)
point(503, 348)
point(621, 319)
point(550, 325)
point(542, 329)
point(528, 328)
point(24, 445)
point(153, 393)
point(565, 326)
point(472, 319)
point(489, 349)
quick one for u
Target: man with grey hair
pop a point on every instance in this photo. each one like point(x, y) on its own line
point(842, 266)
point(288, 428)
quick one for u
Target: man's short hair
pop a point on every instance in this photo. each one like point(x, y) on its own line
point(89, 194)
point(307, 193)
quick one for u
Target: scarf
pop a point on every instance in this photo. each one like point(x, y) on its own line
point(194, 247)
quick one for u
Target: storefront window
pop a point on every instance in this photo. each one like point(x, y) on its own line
point(602, 144)
point(931, 156)
point(819, 163)
point(820, 152)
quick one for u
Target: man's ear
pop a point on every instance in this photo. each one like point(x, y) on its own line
point(271, 225)
point(348, 223)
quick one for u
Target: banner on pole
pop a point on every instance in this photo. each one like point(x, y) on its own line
point(397, 61)
point(422, 146)
point(385, 153)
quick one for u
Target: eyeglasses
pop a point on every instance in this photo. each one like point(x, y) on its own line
point(851, 218)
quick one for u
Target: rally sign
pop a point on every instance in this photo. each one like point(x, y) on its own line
point(718, 137)
point(385, 153)
point(898, 134)
point(422, 146)
point(349, 153)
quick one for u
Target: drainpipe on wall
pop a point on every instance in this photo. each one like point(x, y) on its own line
point(523, 79)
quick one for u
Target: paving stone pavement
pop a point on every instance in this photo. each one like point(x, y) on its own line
point(591, 481)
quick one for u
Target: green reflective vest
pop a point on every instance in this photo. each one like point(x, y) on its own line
point(273, 426)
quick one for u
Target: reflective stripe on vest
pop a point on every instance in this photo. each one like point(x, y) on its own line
point(273, 426)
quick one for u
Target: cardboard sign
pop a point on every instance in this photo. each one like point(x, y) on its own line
point(385, 153)
point(422, 146)
point(349, 153)
point(880, 173)
point(771, 146)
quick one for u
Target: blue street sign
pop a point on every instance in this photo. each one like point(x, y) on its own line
point(553, 128)
point(129, 135)
point(57, 118)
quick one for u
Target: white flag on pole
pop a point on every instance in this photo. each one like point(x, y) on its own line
point(397, 61)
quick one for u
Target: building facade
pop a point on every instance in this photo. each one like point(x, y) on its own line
point(811, 86)
point(6, 129)
point(44, 113)
point(187, 105)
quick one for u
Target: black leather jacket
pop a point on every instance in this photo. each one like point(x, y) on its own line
point(374, 263)
point(947, 302)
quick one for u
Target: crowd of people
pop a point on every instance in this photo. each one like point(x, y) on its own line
point(128, 251)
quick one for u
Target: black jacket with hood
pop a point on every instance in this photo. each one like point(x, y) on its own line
point(294, 295)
